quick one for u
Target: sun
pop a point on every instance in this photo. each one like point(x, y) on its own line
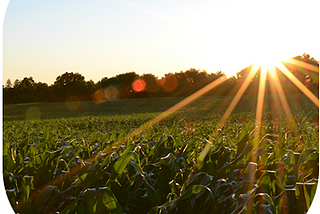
point(268, 57)
point(266, 62)
point(229, 69)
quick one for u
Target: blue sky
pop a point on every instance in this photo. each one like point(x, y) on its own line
point(44, 39)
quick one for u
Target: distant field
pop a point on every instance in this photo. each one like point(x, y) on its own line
point(185, 163)
point(214, 105)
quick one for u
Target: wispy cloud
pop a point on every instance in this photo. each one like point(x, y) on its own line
point(148, 11)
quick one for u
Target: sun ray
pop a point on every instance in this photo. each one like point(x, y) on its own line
point(299, 84)
point(303, 65)
point(283, 99)
point(238, 95)
point(254, 157)
point(261, 93)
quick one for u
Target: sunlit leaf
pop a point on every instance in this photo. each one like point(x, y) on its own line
point(120, 165)
point(109, 200)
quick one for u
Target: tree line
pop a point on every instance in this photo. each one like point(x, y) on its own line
point(73, 86)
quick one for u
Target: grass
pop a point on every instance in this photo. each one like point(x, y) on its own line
point(183, 164)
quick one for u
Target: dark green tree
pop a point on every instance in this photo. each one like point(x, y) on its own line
point(68, 78)
point(126, 78)
point(69, 86)
point(8, 84)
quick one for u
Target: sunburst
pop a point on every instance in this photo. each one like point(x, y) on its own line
point(269, 67)
point(266, 68)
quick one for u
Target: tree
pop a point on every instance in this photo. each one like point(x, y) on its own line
point(23, 91)
point(42, 92)
point(68, 78)
point(8, 84)
point(103, 83)
point(193, 75)
point(27, 82)
point(307, 77)
point(151, 82)
point(127, 78)
point(307, 58)
point(69, 85)
point(16, 83)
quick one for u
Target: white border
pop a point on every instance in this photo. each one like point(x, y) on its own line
point(4, 202)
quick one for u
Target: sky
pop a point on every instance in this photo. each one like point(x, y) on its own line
point(100, 38)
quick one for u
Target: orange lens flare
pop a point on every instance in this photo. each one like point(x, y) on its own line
point(98, 96)
point(139, 85)
point(168, 83)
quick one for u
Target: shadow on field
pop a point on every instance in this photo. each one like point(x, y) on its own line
point(209, 105)
point(50, 110)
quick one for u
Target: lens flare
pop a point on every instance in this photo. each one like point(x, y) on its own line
point(98, 96)
point(33, 113)
point(111, 93)
point(168, 83)
point(139, 85)
point(73, 103)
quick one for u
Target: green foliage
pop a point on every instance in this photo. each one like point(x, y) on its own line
point(183, 164)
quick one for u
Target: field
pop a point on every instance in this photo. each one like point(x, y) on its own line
point(86, 157)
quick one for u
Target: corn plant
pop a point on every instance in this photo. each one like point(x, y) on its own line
point(184, 164)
